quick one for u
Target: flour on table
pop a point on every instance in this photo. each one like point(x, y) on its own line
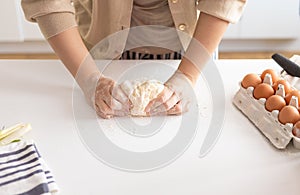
point(140, 93)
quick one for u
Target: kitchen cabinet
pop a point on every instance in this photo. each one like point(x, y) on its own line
point(10, 22)
point(267, 19)
point(14, 26)
point(30, 30)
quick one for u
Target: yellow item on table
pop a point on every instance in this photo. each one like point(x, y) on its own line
point(13, 133)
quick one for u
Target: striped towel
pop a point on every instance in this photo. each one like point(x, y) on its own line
point(23, 171)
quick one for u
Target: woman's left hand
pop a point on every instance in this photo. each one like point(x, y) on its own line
point(174, 99)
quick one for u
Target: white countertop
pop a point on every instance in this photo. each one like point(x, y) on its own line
point(242, 162)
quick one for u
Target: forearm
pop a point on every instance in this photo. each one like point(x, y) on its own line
point(208, 33)
point(100, 91)
point(71, 50)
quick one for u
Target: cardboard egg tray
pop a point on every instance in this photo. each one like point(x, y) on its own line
point(280, 135)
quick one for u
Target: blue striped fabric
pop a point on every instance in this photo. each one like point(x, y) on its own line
point(23, 171)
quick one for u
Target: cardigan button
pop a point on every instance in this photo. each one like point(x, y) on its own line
point(182, 27)
point(174, 1)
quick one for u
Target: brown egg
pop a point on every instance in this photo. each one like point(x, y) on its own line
point(263, 90)
point(289, 114)
point(296, 129)
point(251, 80)
point(275, 102)
point(287, 86)
point(295, 93)
point(272, 72)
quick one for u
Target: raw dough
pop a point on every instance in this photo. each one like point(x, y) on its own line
point(140, 93)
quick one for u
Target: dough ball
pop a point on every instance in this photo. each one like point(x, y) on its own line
point(140, 93)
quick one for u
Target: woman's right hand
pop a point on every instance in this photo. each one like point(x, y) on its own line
point(110, 100)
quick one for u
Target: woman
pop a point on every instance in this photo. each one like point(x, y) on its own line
point(73, 32)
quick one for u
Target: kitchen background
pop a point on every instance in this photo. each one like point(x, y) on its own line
point(266, 27)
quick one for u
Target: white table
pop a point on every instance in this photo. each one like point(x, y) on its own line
point(242, 161)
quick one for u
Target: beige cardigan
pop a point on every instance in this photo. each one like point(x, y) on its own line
point(97, 19)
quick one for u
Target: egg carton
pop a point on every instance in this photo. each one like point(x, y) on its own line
point(280, 135)
point(267, 122)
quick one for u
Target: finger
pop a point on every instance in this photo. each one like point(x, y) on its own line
point(160, 99)
point(104, 92)
point(167, 105)
point(109, 115)
point(121, 113)
point(119, 94)
point(128, 87)
point(104, 108)
point(117, 108)
point(171, 102)
point(121, 97)
point(105, 84)
point(103, 89)
point(176, 110)
point(100, 114)
point(113, 103)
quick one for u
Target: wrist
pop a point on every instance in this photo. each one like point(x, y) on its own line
point(189, 70)
point(88, 85)
point(178, 80)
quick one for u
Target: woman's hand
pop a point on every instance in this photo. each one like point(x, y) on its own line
point(175, 97)
point(167, 102)
point(110, 100)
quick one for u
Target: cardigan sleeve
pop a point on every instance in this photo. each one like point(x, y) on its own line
point(52, 16)
point(229, 10)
